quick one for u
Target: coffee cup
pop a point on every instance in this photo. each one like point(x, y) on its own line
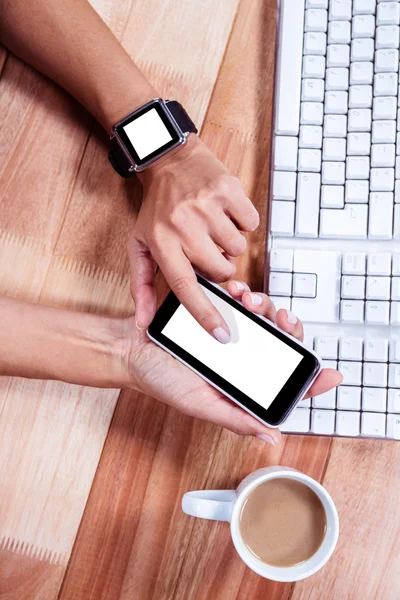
point(305, 541)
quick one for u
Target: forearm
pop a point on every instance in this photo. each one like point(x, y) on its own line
point(40, 342)
point(67, 41)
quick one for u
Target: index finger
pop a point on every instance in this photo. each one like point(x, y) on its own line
point(182, 280)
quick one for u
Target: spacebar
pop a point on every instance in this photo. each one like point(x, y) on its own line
point(290, 55)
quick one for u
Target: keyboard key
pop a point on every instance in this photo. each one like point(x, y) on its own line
point(339, 32)
point(375, 374)
point(335, 126)
point(323, 422)
point(379, 263)
point(357, 191)
point(353, 287)
point(327, 346)
point(317, 4)
point(297, 422)
point(351, 372)
point(363, 26)
point(340, 10)
point(290, 60)
point(284, 186)
point(314, 65)
point(305, 285)
point(338, 55)
point(316, 20)
point(348, 398)
point(395, 293)
point(347, 423)
point(397, 182)
point(364, 7)
point(361, 73)
point(383, 155)
point(326, 400)
point(353, 263)
point(315, 43)
point(307, 214)
point(376, 349)
point(282, 218)
point(377, 313)
point(382, 180)
point(395, 352)
point(350, 348)
point(380, 216)
point(280, 284)
point(395, 313)
point(352, 311)
point(309, 341)
point(385, 84)
point(285, 156)
point(332, 196)
point(396, 264)
point(349, 223)
point(388, 13)
point(387, 36)
point(359, 144)
point(304, 403)
point(386, 61)
point(311, 137)
point(383, 132)
point(360, 96)
point(312, 90)
point(394, 376)
point(333, 173)
point(374, 399)
point(362, 49)
point(384, 108)
point(359, 119)
point(396, 223)
point(357, 167)
point(373, 424)
point(336, 103)
point(281, 259)
point(334, 149)
point(312, 113)
point(378, 288)
point(393, 427)
point(393, 401)
point(309, 160)
point(282, 302)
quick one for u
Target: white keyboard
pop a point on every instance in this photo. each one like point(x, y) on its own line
point(334, 243)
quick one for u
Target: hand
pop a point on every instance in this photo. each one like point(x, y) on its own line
point(193, 212)
point(156, 373)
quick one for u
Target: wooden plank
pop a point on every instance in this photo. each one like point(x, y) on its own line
point(65, 227)
point(364, 480)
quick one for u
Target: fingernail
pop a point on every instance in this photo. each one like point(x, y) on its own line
point(221, 335)
point(265, 438)
point(140, 328)
point(256, 299)
point(291, 318)
point(240, 286)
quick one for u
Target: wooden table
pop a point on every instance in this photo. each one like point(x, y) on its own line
point(91, 481)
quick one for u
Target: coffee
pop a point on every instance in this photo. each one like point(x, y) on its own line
point(282, 522)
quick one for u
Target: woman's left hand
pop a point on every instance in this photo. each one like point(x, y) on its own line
point(156, 373)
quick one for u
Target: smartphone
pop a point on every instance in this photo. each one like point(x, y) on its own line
point(262, 369)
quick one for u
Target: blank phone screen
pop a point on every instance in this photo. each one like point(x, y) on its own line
point(255, 361)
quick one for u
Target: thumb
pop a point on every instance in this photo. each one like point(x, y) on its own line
point(142, 272)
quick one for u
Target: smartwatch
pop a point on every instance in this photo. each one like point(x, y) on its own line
point(147, 134)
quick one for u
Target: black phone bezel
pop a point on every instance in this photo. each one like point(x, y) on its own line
point(290, 393)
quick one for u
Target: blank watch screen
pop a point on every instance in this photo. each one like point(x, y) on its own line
point(255, 361)
point(147, 133)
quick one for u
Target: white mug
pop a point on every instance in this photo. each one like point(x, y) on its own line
point(226, 505)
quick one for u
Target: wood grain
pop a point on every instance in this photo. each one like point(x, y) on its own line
point(65, 219)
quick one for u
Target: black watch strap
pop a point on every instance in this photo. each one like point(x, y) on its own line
point(117, 156)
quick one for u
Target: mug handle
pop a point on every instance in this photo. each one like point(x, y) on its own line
point(210, 504)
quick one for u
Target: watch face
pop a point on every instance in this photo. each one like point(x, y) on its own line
point(148, 133)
